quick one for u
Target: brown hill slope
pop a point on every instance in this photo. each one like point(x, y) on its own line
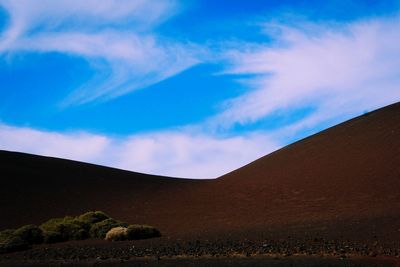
point(348, 173)
point(343, 183)
point(35, 188)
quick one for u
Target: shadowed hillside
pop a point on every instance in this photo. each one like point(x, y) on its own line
point(35, 188)
point(341, 183)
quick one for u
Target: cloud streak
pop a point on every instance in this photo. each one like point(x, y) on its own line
point(338, 70)
point(119, 40)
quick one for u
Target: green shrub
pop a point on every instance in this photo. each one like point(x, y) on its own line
point(6, 234)
point(51, 237)
point(52, 224)
point(20, 239)
point(13, 243)
point(136, 231)
point(30, 233)
point(85, 227)
point(68, 228)
point(93, 217)
point(96, 224)
point(72, 231)
point(117, 234)
point(100, 229)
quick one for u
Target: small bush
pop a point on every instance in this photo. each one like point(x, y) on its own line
point(20, 239)
point(93, 217)
point(117, 234)
point(30, 233)
point(136, 231)
point(68, 228)
point(73, 231)
point(6, 234)
point(81, 224)
point(100, 229)
point(51, 237)
point(13, 243)
point(52, 224)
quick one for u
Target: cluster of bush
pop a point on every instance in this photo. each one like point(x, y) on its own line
point(132, 232)
point(93, 224)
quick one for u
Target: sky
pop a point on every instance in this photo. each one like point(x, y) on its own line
point(193, 88)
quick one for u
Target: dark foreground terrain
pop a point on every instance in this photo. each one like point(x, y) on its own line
point(288, 252)
point(226, 252)
point(332, 199)
point(256, 261)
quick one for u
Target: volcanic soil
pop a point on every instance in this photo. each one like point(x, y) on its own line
point(332, 198)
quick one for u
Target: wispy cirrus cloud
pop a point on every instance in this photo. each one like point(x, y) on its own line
point(119, 39)
point(338, 70)
point(173, 153)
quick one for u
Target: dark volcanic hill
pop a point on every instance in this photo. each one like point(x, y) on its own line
point(343, 182)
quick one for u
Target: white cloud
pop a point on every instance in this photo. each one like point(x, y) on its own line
point(51, 14)
point(191, 155)
point(178, 154)
point(340, 70)
point(77, 146)
point(117, 38)
point(134, 61)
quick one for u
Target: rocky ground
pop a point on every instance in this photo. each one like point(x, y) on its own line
point(164, 252)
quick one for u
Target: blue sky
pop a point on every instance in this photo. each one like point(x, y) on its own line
point(188, 88)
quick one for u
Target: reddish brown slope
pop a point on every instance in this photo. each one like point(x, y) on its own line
point(35, 188)
point(343, 182)
point(350, 171)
